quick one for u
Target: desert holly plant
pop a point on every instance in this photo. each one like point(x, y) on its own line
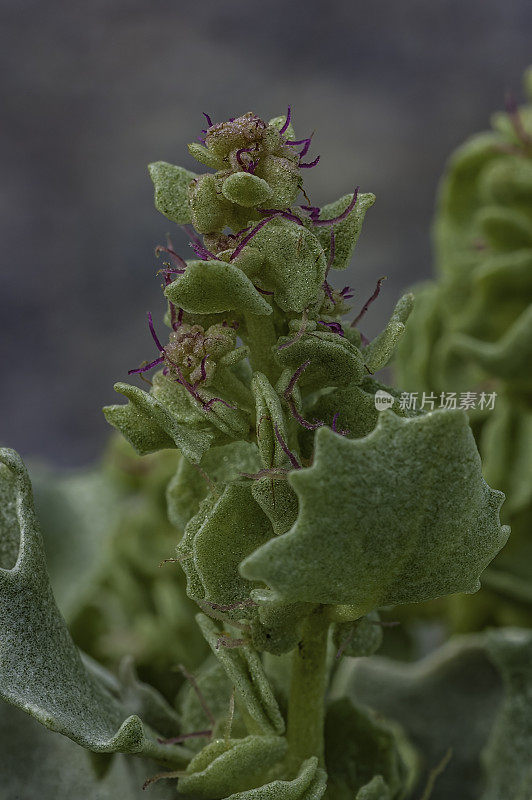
point(304, 509)
point(471, 334)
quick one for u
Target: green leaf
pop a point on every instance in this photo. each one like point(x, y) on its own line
point(78, 513)
point(308, 785)
point(209, 287)
point(376, 789)
point(234, 527)
point(231, 765)
point(400, 516)
point(41, 670)
point(379, 352)
point(171, 190)
point(456, 682)
point(244, 669)
point(363, 637)
point(359, 745)
point(149, 426)
point(294, 263)
point(334, 361)
point(347, 231)
point(246, 189)
point(50, 767)
point(506, 757)
point(221, 464)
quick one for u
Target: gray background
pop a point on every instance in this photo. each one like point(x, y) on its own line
point(91, 92)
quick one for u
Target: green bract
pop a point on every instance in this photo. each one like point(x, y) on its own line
point(295, 507)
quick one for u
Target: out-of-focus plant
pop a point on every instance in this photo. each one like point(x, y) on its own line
point(305, 510)
point(471, 332)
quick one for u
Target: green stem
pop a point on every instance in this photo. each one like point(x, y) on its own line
point(306, 709)
point(261, 339)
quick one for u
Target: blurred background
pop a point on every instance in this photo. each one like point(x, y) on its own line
point(90, 93)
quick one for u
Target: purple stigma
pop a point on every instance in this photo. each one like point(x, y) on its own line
point(341, 216)
point(273, 213)
point(368, 302)
point(310, 164)
point(295, 377)
point(209, 120)
point(202, 252)
point(287, 121)
point(284, 447)
point(154, 335)
point(347, 293)
point(332, 248)
point(262, 291)
point(146, 367)
point(279, 213)
point(210, 402)
point(334, 327)
point(246, 167)
point(315, 211)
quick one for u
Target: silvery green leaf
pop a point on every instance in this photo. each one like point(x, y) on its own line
point(45, 765)
point(41, 670)
point(506, 757)
point(244, 669)
point(402, 515)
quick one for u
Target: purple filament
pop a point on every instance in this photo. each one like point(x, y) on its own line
point(202, 252)
point(286, 214)
point(305, 423)
point(246, 167)
point(310, 164)
point(209, 121)
point(332, 249)
point(284, 447)
point(146, 367)
point(272, 213)
point(334, 327)
point(173, 255)
point(368, 302)
point(328, 291)
point(203, 372)
point(184, 736)
point(295, 377)
point(210, 402)
point(160, 348)
point(298, 335)
point(340, 217)
point(287, 121)
point(262, 291)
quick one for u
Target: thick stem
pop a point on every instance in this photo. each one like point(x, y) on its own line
point(306, 709)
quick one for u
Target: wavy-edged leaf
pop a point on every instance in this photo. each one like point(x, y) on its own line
point(379, 352)
point(347, 231)
point(41, 670)
point(448, 700)
point(246, 673)
point(506, 757)
point(149, 426)
point(309, 784)
point(402, 515)
point(46, 765)
point(359, 745)
point(209, 287)
point(231, 765)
